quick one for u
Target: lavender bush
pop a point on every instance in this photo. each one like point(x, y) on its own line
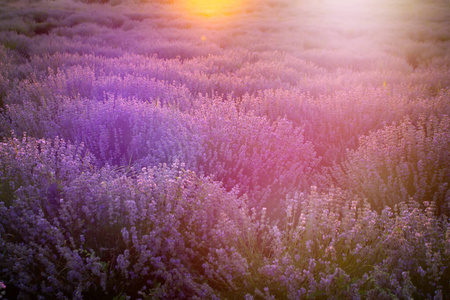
point(99, 229)
point(399, 163)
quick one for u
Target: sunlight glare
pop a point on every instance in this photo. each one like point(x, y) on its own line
point(211, 8)
point(356, 15)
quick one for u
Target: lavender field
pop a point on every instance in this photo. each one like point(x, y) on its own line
point(224, 149)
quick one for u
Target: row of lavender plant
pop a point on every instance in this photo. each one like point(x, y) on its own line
point(70, 230)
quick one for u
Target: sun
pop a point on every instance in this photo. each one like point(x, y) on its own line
point(211, 8)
